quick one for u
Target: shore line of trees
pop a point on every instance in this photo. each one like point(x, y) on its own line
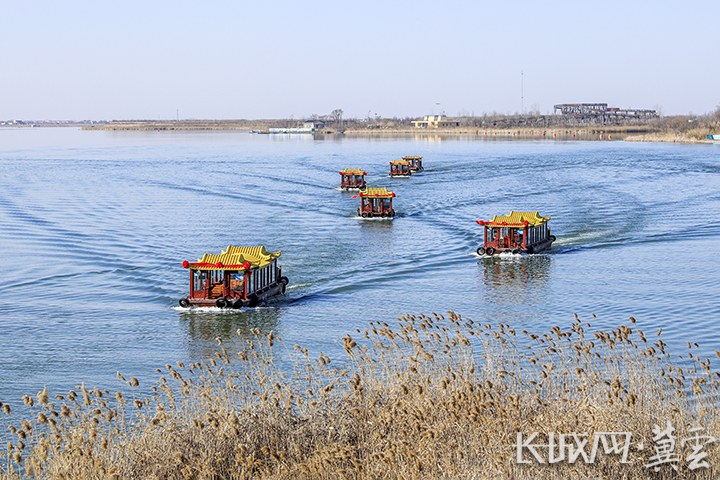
point(688, 128)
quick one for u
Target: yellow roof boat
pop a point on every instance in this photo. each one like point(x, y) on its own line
point(516, 219)
point(234, 258)
point(353, 171)
point(375, 192)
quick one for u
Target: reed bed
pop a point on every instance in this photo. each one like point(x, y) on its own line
point(436, 396)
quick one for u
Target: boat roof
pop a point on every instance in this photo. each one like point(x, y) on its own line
point(353, 171)
point(516, 219)
point(234, 258)
point(400, 162)
point(412, 157)
point(375, 192)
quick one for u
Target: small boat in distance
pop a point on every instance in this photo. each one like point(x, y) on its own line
point(415, 163)
point(519, 232)
point(400, 168)
point(352, 179)
point(375, 202)
point(238, 277)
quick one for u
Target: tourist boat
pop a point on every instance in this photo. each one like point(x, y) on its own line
point(519, 232)
point(238, 277)
point(400, 168)
point(375, 202)
point(352, 179)
point(415, 163)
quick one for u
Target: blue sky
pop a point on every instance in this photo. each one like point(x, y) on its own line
point(276, 59)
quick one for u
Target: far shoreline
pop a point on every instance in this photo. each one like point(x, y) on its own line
point(628, 133)
point(634, 133)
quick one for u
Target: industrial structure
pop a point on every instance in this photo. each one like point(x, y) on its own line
point(600, 112)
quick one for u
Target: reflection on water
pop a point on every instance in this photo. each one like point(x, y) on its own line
point(512, 271)
point(204, 326)
point(515, 286)
point(377, 224)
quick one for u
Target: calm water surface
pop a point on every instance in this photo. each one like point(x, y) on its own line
point(94, 227)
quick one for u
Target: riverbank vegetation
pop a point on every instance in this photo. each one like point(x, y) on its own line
point(682, 128)
point(436, 396)
point(677, 128)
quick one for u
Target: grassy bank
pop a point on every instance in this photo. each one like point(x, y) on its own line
point(671, 137)
point(594, 133)
point(429, 397)
point(674, 129)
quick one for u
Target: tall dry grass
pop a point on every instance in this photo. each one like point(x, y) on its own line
point(430, 397)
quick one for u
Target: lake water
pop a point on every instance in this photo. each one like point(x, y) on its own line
point(94, 227)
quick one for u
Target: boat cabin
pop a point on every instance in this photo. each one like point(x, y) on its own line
point(352, 179)
point(519, 232)
point(415, 163)
point(375, 202)
point(400, 168)
point(237, 277)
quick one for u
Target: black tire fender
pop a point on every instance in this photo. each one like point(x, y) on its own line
point(252, 301)
point(237, 303)
point(490, 251)
point(221, 302)
point(481, 251)
point(184, 302)
point(530, 250)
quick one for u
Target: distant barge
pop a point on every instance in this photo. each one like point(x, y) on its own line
point(519, 232)
point(400, 168)
point(352, 179)
point(238, 277)
point(415, 163)
point(375, 202)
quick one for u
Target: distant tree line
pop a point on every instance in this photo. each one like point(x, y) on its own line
point(695, 126)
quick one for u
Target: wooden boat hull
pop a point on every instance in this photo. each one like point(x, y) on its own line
point(538, 247)
point(389, 214)
point(253, 300)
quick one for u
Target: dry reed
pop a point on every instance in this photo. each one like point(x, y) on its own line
point(431, 397)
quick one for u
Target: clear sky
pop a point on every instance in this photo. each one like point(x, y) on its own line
point(156, 59)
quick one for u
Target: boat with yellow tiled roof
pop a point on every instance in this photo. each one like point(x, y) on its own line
point(237, 277)
point(518, 232)
point(352, 179)
point(415, 163)
point(375, 202)
point(400, 168)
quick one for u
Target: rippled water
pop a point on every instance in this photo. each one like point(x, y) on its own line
point(94, 227)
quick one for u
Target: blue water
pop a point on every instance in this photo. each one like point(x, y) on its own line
point(94, 227)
